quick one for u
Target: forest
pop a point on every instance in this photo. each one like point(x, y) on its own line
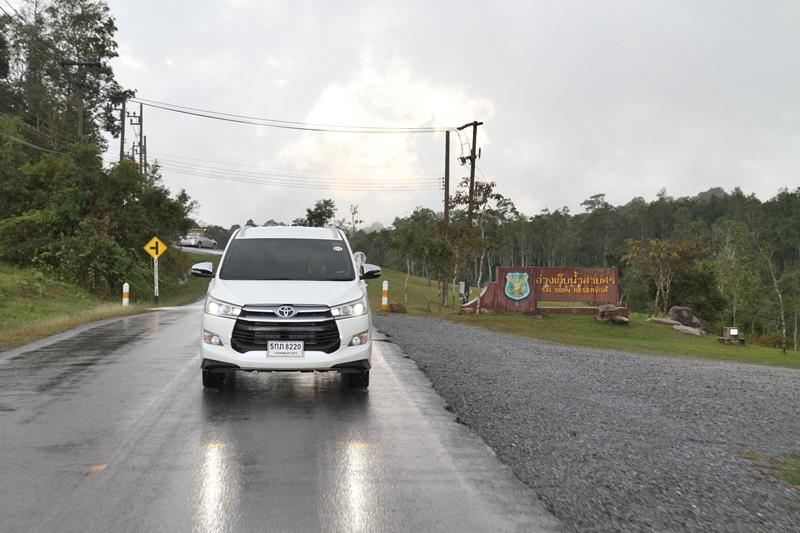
point(61, 210)
point(731, 257)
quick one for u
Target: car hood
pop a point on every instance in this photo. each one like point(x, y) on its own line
point(254, 292)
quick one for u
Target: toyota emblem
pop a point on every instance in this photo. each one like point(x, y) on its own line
point(286, 311)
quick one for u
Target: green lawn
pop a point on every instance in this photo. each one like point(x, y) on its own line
point(584, 330)
point(33, 306)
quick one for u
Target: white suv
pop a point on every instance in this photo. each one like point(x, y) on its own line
point(287, 299)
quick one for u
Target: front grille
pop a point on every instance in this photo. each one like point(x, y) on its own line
point(256, 325)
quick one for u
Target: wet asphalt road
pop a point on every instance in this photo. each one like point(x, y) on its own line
point(110, 430)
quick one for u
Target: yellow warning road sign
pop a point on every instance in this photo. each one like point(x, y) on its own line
point(155, 247)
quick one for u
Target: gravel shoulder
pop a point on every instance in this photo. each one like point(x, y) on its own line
point(616, 441)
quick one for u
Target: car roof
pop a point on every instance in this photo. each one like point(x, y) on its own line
point(288, 232)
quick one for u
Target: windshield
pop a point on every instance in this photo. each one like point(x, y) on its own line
point(287, 259)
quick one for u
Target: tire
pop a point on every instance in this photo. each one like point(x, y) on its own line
point(213, 380)
point(358, 380)
point(213, 246)
point(199, 245)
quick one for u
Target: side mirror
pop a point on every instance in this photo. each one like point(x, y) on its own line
point(203, 270)
point(371, 272)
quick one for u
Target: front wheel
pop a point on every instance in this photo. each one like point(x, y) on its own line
point(358, 380)
point(213, 380)
point(213, 246)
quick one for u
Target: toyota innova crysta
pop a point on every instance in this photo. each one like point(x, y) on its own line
point(287, 299)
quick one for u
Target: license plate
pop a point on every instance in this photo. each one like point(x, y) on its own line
point(285, 348)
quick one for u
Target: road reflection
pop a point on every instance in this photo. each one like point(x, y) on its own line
point(294, 445)
point(356, 481)
point(218, 488)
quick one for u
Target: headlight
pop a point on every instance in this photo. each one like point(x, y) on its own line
point(356, 308)
point(219, 308)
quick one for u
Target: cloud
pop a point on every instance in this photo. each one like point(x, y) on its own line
point(128, 60)
point(386, 94)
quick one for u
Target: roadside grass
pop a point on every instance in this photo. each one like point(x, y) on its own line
point(33, 306)
point(583, 330)
point(785, 467)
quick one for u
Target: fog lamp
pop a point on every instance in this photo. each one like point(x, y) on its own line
point(360, 339)
point(211, 338)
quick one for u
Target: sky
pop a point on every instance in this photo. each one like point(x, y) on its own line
point(578, 98)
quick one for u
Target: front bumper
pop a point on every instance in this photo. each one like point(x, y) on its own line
point(225, 356)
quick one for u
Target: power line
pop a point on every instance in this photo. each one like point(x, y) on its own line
point(26, 143)
point(51, 132)
point(282, 124)
point(293, 181)
point(164, 156)
point(305, 180)
point(296, 185)
point(295, 173)
point(21, 17)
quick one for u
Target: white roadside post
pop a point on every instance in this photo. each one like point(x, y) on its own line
point(125, 292)
point(385, 296)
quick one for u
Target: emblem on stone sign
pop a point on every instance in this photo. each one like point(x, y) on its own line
point(517, 285)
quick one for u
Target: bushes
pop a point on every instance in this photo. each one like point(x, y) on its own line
point(23, 237)
point(90, 226)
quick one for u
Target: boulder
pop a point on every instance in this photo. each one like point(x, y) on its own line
point(663, 321)
point(612, 313)
point(606, 311)
point(396, 307)
point(689, 331)
point(685, 316)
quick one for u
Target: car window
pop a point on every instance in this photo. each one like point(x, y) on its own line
point(288, 259)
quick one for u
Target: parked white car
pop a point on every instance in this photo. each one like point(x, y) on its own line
point(199, 240)
point(287, 299)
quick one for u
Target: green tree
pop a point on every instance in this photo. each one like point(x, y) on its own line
point(320, 215)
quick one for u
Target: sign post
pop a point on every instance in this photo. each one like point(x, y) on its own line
point(155, 247)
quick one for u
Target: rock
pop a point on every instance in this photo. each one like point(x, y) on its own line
point(689, 330)
point(466, 311)
point(663, 321)
point(685, 316)
point(619, 320)
point(606, 312)
point(395, 307)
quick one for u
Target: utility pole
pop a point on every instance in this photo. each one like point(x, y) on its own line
point(472, 160)
point(443, 283)
point(144, 153)
point(446, 178)
point(122, 120)
point(472, 157)
point(135, 120)
point(141, 138)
